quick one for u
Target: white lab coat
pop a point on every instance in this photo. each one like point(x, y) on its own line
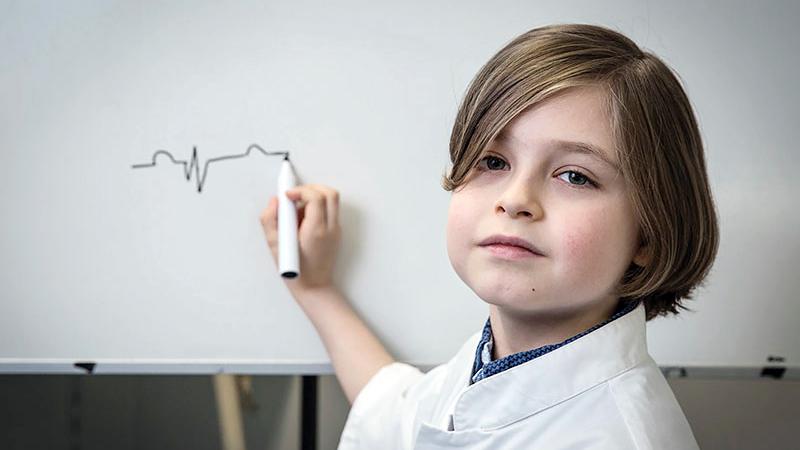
point(601, 391)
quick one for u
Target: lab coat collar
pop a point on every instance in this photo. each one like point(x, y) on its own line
point(528, 388)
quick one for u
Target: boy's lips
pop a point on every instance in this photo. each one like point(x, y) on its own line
point(504, 240)
point(511, 252)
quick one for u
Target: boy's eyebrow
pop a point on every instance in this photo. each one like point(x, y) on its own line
point(585, 148)
point(573, 147)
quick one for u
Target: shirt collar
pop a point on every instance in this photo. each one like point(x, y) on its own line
point(484, 365)
point(550, 378)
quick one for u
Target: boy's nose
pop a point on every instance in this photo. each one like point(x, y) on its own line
point(520, 202)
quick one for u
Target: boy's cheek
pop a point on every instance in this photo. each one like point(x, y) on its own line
point(581, 248)
point(591, 253)
point(458, 239)
point(462, 235)
point(583, 231)
point(459, 224)
point(576, 244)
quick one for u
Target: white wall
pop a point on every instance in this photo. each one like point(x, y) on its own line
point(101, 261)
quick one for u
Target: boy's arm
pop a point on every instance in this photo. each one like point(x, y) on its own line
point(356, 353)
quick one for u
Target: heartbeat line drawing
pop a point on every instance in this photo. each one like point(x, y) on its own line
point(193, 163)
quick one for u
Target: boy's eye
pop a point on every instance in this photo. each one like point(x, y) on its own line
point(574, 178)
point(492, 162)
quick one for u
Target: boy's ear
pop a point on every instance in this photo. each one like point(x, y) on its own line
point(642, 257)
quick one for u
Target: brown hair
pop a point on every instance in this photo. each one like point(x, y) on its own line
point(657, 139)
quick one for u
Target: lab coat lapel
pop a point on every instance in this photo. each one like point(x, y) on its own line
point(456, 379)
point(537, 384)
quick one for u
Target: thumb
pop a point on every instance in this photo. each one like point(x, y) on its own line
point(269, 220)
point(295, 196)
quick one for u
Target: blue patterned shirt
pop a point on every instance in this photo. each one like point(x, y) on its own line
point(485, 367)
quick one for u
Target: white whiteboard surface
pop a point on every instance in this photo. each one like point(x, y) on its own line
point(104, 263)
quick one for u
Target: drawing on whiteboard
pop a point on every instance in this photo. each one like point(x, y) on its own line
point(193, 163)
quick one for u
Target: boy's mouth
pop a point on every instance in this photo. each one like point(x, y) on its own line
point(502, 242)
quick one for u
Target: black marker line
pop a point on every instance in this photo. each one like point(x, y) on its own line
point(193, 163)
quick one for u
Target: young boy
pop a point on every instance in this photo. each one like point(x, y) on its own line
point(580, 209)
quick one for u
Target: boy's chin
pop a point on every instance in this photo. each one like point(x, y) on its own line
point(533, 306)
point(511, 301)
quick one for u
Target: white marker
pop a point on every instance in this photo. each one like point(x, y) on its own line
point(288, 258)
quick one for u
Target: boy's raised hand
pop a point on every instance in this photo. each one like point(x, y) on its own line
point(318, 235)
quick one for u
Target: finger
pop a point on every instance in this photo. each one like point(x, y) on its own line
point(332, 204)
point(301, 214)
point(269, 220)
point(314, 204)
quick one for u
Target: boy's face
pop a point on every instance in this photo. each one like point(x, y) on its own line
point(587, 234)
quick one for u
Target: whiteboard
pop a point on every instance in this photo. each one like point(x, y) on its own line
point(136, 268)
